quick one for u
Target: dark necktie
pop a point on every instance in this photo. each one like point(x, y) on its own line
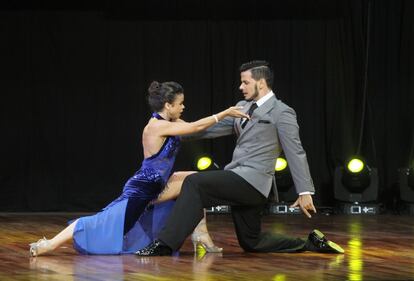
point(250, 112)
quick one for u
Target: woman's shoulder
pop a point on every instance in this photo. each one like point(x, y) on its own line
point(151, 127)
point(156, 127)
point(154, 123)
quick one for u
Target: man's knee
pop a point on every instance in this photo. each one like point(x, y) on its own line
point(190, 183)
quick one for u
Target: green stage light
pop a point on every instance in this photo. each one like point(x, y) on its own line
point(356, 187)
point(284, 181)
point(356, 176)
point(355, 165)
point(281, 164)
point(204, 162)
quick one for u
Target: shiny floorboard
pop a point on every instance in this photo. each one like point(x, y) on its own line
point(377, 248)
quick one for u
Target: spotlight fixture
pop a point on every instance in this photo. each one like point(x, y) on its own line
point(356, 183)
point(281, 164)
point(285, 189)
point(406, 185)
point(284, 182)
point(205, 162)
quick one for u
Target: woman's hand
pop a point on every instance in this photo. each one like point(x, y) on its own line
point(234, 111)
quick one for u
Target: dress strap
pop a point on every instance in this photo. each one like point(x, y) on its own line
point(156, 115)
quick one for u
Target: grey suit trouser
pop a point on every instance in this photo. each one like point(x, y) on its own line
point(212, 188)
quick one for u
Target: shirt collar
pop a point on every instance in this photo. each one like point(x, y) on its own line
point(263, 99)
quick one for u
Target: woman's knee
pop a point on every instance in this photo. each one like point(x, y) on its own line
point(181, 175)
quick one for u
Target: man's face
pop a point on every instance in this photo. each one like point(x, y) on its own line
point(248, 86)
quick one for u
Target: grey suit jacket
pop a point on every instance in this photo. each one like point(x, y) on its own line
point(272, 127)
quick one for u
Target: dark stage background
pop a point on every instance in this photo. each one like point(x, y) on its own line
point(73, 87)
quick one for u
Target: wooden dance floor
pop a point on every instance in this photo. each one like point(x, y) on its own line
point(377, 248)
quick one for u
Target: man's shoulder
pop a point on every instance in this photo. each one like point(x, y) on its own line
point(280, 108)
point(281, 105)
point(242, 103)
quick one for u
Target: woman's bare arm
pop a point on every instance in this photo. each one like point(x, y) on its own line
point(166, 128)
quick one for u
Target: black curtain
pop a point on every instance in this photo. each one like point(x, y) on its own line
point(73, 88)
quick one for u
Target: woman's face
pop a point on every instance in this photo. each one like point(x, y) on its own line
point(176, 108)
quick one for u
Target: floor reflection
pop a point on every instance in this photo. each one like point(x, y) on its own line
point(355, 260)
point(78, 267)
point(377, 248)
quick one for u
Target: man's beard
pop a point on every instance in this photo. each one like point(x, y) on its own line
point(256, 93)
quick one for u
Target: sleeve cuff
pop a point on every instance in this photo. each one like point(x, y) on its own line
point(307, 192)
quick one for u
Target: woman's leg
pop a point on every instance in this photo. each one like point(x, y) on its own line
point(173, 187)
point(63, 236)
point(44, 246)
point(200, 237)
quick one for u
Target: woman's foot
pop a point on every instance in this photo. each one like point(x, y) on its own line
point(202, 240)
point(40, 247)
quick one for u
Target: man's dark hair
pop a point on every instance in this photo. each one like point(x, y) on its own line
point(259, 69)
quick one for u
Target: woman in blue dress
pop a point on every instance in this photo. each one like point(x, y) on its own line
point(134, 219)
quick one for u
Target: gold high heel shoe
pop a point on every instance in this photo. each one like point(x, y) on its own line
point(40, 247)
point(200, 241)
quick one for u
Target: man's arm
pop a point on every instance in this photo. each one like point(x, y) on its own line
point(288, 130)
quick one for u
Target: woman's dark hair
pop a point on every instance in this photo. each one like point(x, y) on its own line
point(160, 93)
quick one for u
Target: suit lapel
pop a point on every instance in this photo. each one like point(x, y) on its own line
point(257, 115)
point(237, 124)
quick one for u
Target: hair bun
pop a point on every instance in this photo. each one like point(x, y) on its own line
point(154, 87)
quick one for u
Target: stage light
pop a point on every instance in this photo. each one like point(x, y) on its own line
point(406, 186)
point(281, 164)
point(355, 165)
point(283, 177)
point(356, 187)
point(205, 162)
point(286, 193)
point(356, 177)
point(410, 178)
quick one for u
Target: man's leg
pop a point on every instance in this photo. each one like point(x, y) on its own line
point(205, 189)
point(227, 188)
point(247, 220)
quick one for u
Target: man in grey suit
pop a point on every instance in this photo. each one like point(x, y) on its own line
point(246, 182)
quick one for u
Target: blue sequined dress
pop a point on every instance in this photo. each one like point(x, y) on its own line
point(127, 224)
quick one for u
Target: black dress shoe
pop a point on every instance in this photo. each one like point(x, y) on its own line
point(156, 248)
point(318, 243)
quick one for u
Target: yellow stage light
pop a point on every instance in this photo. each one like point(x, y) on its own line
point(355, 165)
point(281, 164)
point(204, 163)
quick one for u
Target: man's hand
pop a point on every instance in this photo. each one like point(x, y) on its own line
point(305, 203)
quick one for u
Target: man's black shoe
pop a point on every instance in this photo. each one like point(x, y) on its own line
point(156, 248)
point(318, 243)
